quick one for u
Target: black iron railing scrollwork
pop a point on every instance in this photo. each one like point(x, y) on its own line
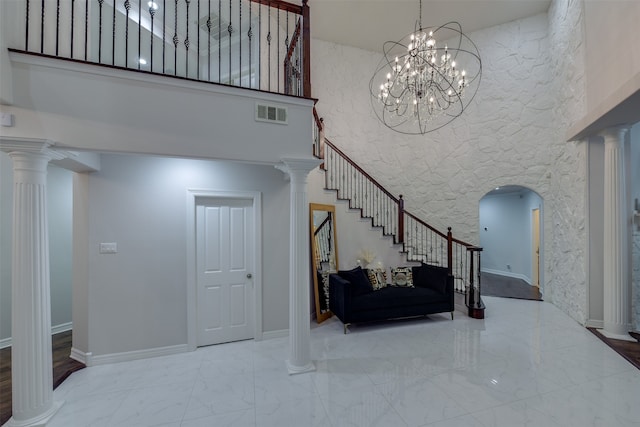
point(421, 242)
point(256, 44)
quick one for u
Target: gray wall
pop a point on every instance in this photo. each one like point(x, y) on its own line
point(59, 203)
point(137, 297)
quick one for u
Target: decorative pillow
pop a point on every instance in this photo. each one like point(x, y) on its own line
point(378, 278)
point(431, 276)
point(359, 281)
point(402, 276)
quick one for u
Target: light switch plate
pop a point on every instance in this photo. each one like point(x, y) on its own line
point(6, 119)
point(108, 248)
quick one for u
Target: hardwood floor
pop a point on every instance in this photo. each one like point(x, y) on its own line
point(507, 287)
point(627, 349)
point(63, 366)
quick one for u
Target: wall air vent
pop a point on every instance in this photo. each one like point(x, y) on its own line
point(271, 113)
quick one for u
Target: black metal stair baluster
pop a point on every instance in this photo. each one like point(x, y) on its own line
point(57, 25)
point(278, 50)
point(187, 42)
point(240, 39)
point(152, 14)
point(113, 36)
point(86, 29)
point(269, 47)
point(209, 42)
point(198, 43)
point(230, 30)
point(42, 26)
point(164, 20)
point(73, 24)
point(99, 31)
point(250, 35)
point(175, 39)
point(127, 7)
point(139, 33)
point(219, 41)
point(26, 28)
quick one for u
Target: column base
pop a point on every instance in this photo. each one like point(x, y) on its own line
point(38, 421)
point(614, 336)
point(294, 370)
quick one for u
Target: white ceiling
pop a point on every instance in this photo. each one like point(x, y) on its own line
point(367, 24)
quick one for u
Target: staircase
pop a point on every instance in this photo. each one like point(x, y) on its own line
point(420, 241)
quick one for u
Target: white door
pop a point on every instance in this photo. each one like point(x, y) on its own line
point(535, 261)
point(224, 265)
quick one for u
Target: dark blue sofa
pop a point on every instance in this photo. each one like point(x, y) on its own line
point(352, 301)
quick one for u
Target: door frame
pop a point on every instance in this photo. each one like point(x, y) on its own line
point(535, 238)
point(192, 199)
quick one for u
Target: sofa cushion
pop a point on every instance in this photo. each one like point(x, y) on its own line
point(377, 278)
point(359, 281)
point(393, 297)
point(431, 276)
point(402, 276)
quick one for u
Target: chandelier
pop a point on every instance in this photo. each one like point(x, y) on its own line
point(427, 79)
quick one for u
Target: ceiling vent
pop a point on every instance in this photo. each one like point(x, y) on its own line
point(271, 113)
point(219, 27)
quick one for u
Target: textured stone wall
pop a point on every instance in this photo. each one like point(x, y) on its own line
point(567, 260)
point(513, 133)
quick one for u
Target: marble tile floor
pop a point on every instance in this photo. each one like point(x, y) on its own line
point(525, 364)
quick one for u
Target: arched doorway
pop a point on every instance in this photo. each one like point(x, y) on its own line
point(512, 241)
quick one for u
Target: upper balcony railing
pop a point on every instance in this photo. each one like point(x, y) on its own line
point(255, 44)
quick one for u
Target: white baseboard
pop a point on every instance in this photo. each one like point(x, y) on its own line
point(282, 333)
point(598, 324)
point(507, 274)
point(105, 359)
point(80, 356)
point(63, 327)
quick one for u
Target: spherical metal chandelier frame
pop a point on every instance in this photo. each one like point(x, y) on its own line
point(426, 80)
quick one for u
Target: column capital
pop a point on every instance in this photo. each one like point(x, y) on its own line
point(30, 146)
point(296, 167)
point(617, 132)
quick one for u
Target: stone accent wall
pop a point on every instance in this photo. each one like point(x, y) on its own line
point(567, 260)
point(513, 133)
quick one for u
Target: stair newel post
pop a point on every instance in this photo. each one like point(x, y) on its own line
point(471, 291)
point(449, 251)
point(478, 303)
point(306, 49)
point(400, 220)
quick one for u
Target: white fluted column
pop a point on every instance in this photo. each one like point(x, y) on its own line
point(299, 308)
point(31, 365)
point(616, 228)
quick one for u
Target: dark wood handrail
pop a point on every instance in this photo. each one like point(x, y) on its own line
point(294, 43)
point(321, 226)
point(318, 119)
point(359, 169)
point(418, 220)
point(280, 4)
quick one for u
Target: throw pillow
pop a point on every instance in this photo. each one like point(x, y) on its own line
point(432, 277)
point(402, 276)
point(378, 278)
point(359, 281)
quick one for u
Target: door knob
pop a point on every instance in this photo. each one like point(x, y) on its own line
point(249, 276)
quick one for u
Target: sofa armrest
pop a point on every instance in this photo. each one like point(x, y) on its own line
point(340, 297)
